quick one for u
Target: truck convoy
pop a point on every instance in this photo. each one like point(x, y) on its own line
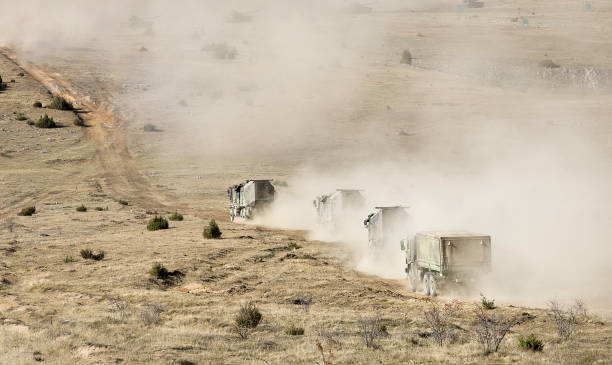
point(387, 226)
point(249, 197)
point(335, 208)
point(459, 257)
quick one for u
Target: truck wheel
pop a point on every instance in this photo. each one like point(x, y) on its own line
point(426, 291)
point(433, 289)
point(412, 278)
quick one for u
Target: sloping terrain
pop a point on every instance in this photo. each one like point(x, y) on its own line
point(59, 308)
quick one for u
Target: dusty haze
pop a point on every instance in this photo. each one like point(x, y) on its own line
point(475, 135)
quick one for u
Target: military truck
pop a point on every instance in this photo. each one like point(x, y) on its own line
point(459, 257)
point(249, 197)
point(387, 226)
point(334, 207)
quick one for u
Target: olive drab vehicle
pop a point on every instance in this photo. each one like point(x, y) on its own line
point(336, 208)
point(250, 197)
point(387, 226)
point(459, 257)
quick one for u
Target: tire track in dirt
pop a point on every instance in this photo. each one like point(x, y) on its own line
point(121, 178)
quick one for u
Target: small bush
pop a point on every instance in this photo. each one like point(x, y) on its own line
point(157, 223)
point(81, 208)
point(530, 343)
point(150, 314)
point(27, 211)
point(69, 259)
point(37, 104)
point(122, 202)
point(212, 231)
point(487, 303)
point(158, 271)
point(490, 330)
point(90, 255)
point(79, 122)
point(293, 246)
point(370, 330)
point(566, 319)
point(149, 128)
point(248, 317)
point(294, 331)
point(60, 103)
point(175, 217)
point(45, 122)
point(20, 118)
point(406, 57)
point(439, 321)
point(99, 209)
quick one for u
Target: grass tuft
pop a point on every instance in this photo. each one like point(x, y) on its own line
point(88, 254)
point(45, 122)
point(27, 211)
point(212, 231)
point(60, 103)
point(530, 343)
point(81, 208)
point(175, 217)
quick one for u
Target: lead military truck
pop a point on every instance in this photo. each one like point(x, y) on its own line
point(459, 257)
point(249, 197)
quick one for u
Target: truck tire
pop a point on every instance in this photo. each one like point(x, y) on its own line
point(426, 290)
point(412, 278)
point(433, 289)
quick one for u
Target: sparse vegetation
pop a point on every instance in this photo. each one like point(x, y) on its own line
point(122, 202)
point(158, 271)
point(45, 122)
point(79, 122)
point(175, 217)
point(27, 211)
point(88, 254)
point(487, 303)
point(566, 320)
point(293, 246)
point(294, 330)
point(157, 223)
point(439, 321)
point(69, 259)
point(490, 330)
point(248, 317)
point(60, 103)
point(303, 300)
point(212, 231)
point(149, 128)
point(150, 314)
point(370, 330)
point(100, 209)
point(81, 208)
point(20, 118)
point(530, 343)
point(406, 57)
point(37, 104)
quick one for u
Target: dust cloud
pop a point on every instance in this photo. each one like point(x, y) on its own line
point(466, 137)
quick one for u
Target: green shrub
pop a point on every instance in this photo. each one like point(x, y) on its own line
point(294, 331)
point(157, 223)
point(212, 231)
point(90, 255)
point(487, 303)
point(20, 117)
point(531, 343)
point(122, 202)
point(37, 104)
point(79, 122)
point(149, 128)
point(99, 209)
point(293, 246)
point(27, 211)
point(175, 217)
point(248, 316)
point(45, 122)
point(81, 208)
point(158, 271)
point(60, 103)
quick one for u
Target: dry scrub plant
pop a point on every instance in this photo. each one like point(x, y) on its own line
point(566, 319)
point(370, 330)
point(248, 317)
point(439, 320)
point(490, 330)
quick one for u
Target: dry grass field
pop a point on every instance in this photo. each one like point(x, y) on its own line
point(57, 307)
